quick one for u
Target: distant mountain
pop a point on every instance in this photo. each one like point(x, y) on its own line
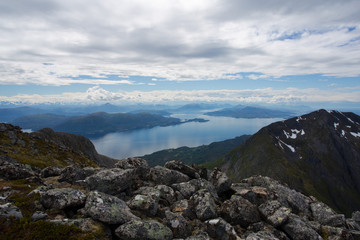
point(197, 107)
point(9, 114)
point(241, 111)
point(317, 153)
point(195, 155)
point(158, 112)
point(39, 121)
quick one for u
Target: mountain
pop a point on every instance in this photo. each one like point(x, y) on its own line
point(48, 148)
point(317, 153)
point(9, 114)
point(195, 155)
point(197, 107)
point(241, 111)
point(39, 121)
point(97, 124)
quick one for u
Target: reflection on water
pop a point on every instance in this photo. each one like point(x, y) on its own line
point(140, 142)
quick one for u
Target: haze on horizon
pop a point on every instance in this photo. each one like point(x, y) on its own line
point(279, 52)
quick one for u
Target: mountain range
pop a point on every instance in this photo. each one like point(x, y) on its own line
point(241, 111)
point(97, 124)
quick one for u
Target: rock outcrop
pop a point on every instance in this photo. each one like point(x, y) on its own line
point(134, 201)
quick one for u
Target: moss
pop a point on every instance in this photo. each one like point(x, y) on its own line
point(24, 229)
point(324, 234)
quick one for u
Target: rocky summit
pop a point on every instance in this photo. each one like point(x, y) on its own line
point(178, 201)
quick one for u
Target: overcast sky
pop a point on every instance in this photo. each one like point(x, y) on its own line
point(251, 51)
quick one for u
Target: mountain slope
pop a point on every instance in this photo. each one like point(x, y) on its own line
point(194, 155)
point(318, 153)
point(241, 111)
point(47, 148)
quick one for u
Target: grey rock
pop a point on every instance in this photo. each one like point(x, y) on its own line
point(261, 235)
point(352, 224)
point(165, 176)
point(183, 168)
point(356, 216)
point(38, 215)
point(146, 202)
point(178, 224)
point(167, 195)
point(62, 198)
point(326, 216)
point(256, 195)
point(12, 170)
point(221, 182)
point(200, 236)
point(71, 174)
point(274, 213)
point(218, 228)
point(8, 210)
point(335, 233)
point(107, 209)
point(51, 171)
point(183, 208)
point(187, 189)
point(140, 230)
point(140, 165)
point(296, 228)
point(111, 181)
point(238, 210)
point(204, 184)
point(204, 205)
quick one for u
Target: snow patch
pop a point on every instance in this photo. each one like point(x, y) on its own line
point(335, 125)
point(348, 126)
point(355, 134)
point(343, 133)
point(289, 146)
point(300, 118)
point(294, 133)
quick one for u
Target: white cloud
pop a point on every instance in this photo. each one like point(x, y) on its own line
point(176, 40)
point(265, 95)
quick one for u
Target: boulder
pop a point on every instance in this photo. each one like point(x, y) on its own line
point(187, 189)
point(167, 195)
point(262, 235)
point(12, 170)
point(326, 216)
point(221, 182)
point(296, 228)
point(238, 210)
point(62, 198)
point(178, 224)
point(199, 236)
point(51, 171)
point(356, 216)
point(256, 195)
point(142, 229)
point(183, 208)
point(274, 213)
point(38, 215)
point(140, 165)
point(165, 176)
point(147, 201)
point(112, 181)
point(72, 174)
point(204, 205)
point(107, 209)
point(8, 210)
point(218, 228)
point(183, 168)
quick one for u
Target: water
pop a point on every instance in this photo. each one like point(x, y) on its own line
point(145, 141)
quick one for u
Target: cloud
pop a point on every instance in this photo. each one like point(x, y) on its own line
point(97, 94)
point(176, 40)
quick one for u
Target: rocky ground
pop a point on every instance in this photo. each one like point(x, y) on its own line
point(134, 201)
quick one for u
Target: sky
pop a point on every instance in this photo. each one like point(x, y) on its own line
point(160, 51)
